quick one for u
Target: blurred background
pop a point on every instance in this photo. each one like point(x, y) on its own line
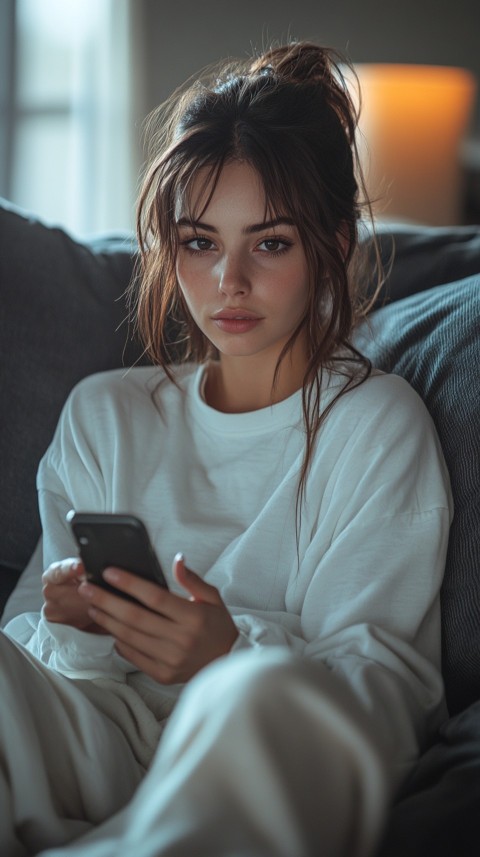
point(78, 78)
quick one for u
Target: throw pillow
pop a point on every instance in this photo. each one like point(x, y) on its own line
point(431, 339)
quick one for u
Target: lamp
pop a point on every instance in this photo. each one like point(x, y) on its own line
point(412, 124)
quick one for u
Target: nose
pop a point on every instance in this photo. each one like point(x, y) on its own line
point(233, 278)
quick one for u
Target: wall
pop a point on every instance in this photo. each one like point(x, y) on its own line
point(180, 37)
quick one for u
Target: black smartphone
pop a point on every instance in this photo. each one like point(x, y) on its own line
point(118, 540)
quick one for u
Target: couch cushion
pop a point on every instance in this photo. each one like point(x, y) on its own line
point(432, 340)
point(437, 810)
point(62, 317)
point(425, 256)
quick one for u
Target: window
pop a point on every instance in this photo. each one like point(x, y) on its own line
point(73, 137)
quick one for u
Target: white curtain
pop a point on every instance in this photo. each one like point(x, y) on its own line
point(79, 107)
point(117, 104)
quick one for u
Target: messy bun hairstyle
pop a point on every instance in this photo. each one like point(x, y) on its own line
point(289, 114)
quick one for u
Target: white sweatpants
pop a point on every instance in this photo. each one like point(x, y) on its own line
point(264, 756)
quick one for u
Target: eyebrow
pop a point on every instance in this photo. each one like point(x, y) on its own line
point(249, 230)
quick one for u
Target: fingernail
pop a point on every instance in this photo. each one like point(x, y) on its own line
point(111, 574)
point(179, 557)
point(86, 590)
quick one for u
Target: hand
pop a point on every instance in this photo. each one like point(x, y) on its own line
point(175, 637)
point(62, 602)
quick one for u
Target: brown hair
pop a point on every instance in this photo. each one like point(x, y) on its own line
point(290, 115)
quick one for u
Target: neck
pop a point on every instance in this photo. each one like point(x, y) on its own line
point(240, 385)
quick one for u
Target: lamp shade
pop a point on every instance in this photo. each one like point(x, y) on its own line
point(412, 124)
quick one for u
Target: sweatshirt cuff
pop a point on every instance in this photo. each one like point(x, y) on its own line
point(69, 651)
point(243, 640)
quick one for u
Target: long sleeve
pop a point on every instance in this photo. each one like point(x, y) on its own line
point(381, 632)
point(364, 599)
point(74, 653)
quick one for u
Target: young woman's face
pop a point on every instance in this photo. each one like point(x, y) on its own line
point(245, 280)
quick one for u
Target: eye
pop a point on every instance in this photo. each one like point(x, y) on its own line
point(199, 244)
point(274, 246)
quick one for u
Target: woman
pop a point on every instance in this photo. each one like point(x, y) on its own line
point(307, 492)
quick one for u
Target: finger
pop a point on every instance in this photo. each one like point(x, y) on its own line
point(150, 594)
point(137, 638)
point(70, 569)
point(199, 590)
point(115, 611)
point(161, 671)
point(156, 598)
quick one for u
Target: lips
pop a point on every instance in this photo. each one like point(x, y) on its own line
point(235, 314)
point(236, 320)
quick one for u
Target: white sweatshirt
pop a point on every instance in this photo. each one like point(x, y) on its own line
point(361, 595)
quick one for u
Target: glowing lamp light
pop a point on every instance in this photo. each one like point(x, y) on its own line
point(414, 119)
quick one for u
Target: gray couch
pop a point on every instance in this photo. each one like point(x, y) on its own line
point(62, 316)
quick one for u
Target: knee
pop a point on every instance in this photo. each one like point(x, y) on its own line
point(255, 681)
point(273, 690)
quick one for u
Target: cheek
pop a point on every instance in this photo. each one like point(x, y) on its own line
point(187, 281)
point(192, 277)
point(295, 287)
point(192, 286)
point(182, 274)
point(183, 284)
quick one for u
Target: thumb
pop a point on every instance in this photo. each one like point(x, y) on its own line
point(198, 589)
